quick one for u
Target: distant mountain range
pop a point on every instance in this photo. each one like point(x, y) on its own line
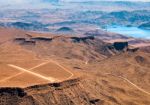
point(145, 26)
point(78, 16)
point(35, 26)
point(50, 0)
point(48, 19)
point(84, 5)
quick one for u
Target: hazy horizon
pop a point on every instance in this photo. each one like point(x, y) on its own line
point(7, 2)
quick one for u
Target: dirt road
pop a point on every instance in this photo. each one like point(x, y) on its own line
point(33, 73)
point(140, 89)
point(50, 79)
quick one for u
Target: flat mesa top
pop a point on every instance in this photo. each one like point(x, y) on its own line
point(28, 73)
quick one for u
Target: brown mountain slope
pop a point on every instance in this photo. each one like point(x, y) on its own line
point(134, 66)
point(93, 90)
point(45, 69)
point(83, 48)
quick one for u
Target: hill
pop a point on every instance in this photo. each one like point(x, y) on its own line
point(48, 69)
point(145, 25)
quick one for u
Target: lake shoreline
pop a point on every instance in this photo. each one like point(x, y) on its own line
point(134, 32)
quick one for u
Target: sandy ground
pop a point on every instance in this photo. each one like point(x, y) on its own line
point(26, 74)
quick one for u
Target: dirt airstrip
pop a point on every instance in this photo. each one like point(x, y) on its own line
point(26, 74)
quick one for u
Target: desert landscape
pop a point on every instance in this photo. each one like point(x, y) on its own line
point(48, 69)
point(75, 52)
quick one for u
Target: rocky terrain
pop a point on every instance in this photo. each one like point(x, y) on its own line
point(104, 73)
point(50, 19)
point(145, 25)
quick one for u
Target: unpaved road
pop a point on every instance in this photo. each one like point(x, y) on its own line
point(5, 79)
point(140, 89)
point(42, 64)
point(71, 74)
point(39, 75)
point(33, 73)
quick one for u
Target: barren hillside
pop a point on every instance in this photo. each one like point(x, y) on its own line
point(46, 69)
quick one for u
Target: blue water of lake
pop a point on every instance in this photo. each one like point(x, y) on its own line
point(130, 31)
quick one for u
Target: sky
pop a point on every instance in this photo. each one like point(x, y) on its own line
point(29, 1)
point(110, 0)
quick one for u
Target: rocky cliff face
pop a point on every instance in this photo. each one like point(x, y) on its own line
point(73, 47)
point(94, 90)
point(67, 93)
point(120, 45)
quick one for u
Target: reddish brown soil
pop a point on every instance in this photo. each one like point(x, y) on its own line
point(84, 70)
